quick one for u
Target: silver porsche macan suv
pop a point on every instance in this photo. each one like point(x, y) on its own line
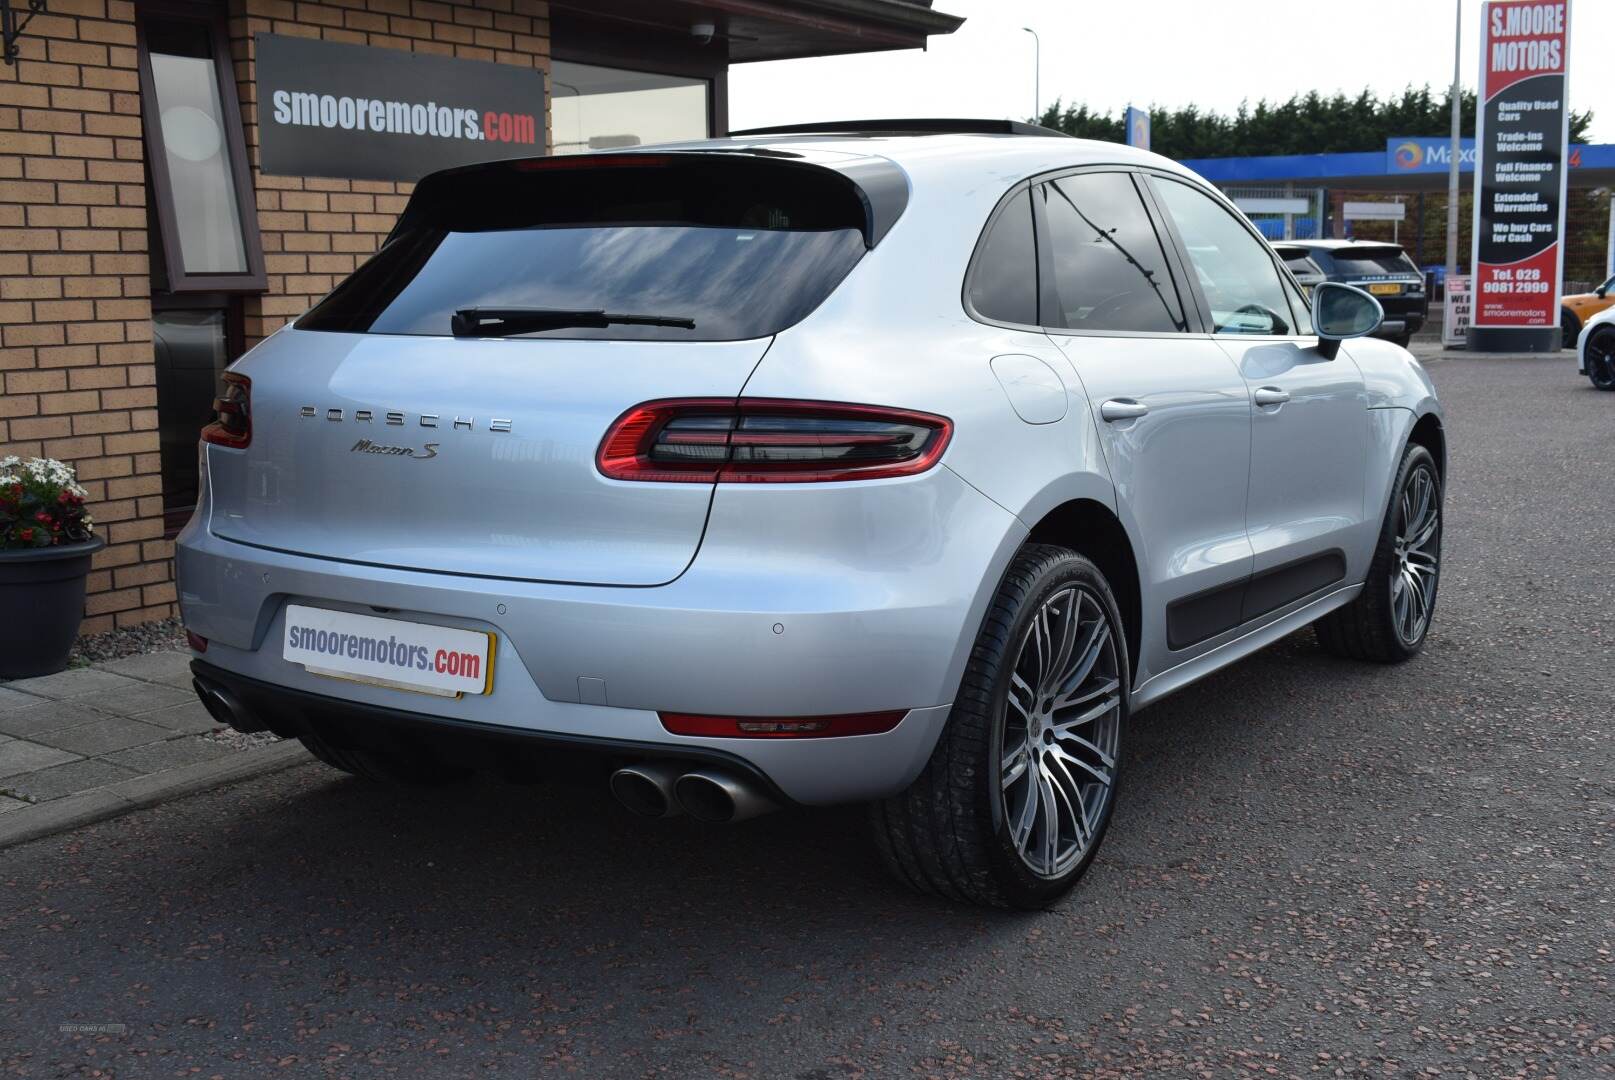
point(888, 463)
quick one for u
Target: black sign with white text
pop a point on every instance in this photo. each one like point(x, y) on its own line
point(330, 109)
point(1520, 171)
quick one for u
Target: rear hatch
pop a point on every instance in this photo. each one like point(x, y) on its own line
point(441, 409)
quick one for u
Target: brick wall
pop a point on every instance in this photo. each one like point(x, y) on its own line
point(75, 313)
point(315, 231)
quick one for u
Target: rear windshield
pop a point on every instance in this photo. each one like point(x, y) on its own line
point(1377, 260)
point(741, 249)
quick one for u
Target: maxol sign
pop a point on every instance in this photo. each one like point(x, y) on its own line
point(1433, 153)
point(1521, 135)
point(1423, 154)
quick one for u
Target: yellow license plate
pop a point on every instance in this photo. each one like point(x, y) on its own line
point(1387, 289)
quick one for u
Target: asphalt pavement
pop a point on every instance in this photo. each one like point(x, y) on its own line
point(1317, 869)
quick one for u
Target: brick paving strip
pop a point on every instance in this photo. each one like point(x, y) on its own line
point(95, 742)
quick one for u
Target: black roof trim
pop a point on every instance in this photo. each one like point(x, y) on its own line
point(878, 184)
point(924, 126)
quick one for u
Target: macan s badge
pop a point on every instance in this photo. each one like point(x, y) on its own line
point(365, 446)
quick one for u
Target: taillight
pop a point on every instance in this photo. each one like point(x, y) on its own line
point(196, 641)
point(760, 440)
point(232, 414)
point(781, 727)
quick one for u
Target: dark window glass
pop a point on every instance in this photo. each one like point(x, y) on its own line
point(723, 246)
point(1003, 284)
point(1109, 270)
point(190, 349)
point(1300, 264)
point(1236, 271)
point(1369, 261)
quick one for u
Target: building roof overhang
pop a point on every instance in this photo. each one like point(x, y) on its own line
point(750, 30)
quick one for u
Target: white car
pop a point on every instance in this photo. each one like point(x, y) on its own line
point(807, 467)
point(1595, 350)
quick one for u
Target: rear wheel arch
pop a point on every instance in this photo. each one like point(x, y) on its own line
point(1570, 325)
point(1429, 433)
point(1092, 530)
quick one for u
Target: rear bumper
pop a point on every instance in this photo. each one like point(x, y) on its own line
point(497, 748)
point(1403, 315)
point(816, 601)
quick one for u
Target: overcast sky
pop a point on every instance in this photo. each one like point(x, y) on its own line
point(1109, 53)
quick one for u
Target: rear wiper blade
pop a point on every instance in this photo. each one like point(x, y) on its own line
point(499, 322)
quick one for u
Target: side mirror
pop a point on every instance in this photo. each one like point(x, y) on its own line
point(1602, 291)
point(1343, 311)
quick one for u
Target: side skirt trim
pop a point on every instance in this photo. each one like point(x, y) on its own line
point(1158, 686)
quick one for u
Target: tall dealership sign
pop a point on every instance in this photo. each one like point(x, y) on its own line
point(327, 108)
point(1521, 135)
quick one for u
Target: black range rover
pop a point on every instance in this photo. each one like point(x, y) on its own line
point(1383, 269)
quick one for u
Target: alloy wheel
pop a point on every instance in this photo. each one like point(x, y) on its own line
point(1418, 555)
point(1061, 732)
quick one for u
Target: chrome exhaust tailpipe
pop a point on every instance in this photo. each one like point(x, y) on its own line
point(647, 788)
point(713, 795)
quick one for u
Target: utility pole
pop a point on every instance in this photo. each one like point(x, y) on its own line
point(1452, 165)
point(1037, 74)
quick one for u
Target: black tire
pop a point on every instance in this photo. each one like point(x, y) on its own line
point(1569, 329)
point(949, 833)
point(402, 769)
point(1367, 628)
point(1601, 358)
point(1403, 340)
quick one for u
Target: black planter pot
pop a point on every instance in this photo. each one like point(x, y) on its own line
point(41, 606)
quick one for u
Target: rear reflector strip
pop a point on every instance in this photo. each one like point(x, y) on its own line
point(781, 727)
point(767, 440)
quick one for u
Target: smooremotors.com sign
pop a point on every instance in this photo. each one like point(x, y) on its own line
point(332, 109)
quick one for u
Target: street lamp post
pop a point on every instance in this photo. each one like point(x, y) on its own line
point(1037, 68)
point(1452, 164)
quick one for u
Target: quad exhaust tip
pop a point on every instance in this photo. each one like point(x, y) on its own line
point(662, 790)
point(647, 789)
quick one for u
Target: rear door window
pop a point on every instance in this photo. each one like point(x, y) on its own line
point(1110, 272)
point(739, 249)
point(1003, 282)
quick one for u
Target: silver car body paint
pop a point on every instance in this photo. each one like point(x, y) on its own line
point(1603, 318)
point(785, 599)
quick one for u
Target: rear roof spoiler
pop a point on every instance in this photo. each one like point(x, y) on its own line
point(879, 184)
point(920, 126)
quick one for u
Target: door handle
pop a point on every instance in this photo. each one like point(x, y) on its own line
point(1122, 409)
point(1271, 395)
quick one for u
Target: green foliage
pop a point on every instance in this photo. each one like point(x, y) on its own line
point(41, 505)
point(1305, 124)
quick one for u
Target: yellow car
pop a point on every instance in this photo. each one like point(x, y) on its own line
point(1574, 311)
